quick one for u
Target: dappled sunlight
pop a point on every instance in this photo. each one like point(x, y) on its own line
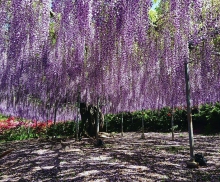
point(99, 158)
point(5, 178)
point(128, 158)
point(41, 151)
point(87, 173)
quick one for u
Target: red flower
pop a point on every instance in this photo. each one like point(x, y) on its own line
point(11, 118)
point(50, 122)
point(169, 114)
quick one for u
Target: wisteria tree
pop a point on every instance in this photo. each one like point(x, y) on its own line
point(112, 50)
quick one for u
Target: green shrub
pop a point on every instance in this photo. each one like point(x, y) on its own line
point(206, 119)
point(20, 133)
point(2, 117)
point(61, 129)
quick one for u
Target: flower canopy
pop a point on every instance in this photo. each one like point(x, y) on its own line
point(53, 53)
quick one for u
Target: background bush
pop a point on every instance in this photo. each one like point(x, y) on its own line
point(206, 120)
point(61, 129)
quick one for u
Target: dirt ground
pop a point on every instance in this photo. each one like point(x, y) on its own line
point(128, 158)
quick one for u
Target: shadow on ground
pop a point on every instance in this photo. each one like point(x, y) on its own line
point(128, 158)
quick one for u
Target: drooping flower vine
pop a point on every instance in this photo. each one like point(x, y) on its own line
point(52, 52)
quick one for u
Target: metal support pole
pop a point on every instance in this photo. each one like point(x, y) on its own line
point(97, 119)
point(189, 114)
point(106, 125)
point(122, 124)
point(172, 125)
point(77, 123)
point(142, 118)
point(54, 113)
point(77, 115)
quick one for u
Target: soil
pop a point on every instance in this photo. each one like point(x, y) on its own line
point(128, 158)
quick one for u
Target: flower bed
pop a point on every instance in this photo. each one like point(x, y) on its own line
point(14, 128)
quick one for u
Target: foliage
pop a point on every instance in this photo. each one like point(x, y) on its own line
point(125, 52)
point(153, 15)
point(205, 119)
point(12, 129)
point(20, 133)
point(61, 129)
point(208, 118)
point(154, 120)
point(3, 117)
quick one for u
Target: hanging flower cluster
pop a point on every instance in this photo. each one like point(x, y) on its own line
point(53, 52)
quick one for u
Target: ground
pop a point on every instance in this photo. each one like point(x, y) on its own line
point(127, 158)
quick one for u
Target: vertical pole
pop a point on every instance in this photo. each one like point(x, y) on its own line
point(172, 127)
point(142, 119)
point(122, 124)
point(47, 115)
point(77, 116)
point(55, 117)
point(189, 114)
point(77, 122)
point(97, 119)
point(106, 123)
point(55, 114)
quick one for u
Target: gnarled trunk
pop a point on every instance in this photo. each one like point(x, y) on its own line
point(88, 116)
